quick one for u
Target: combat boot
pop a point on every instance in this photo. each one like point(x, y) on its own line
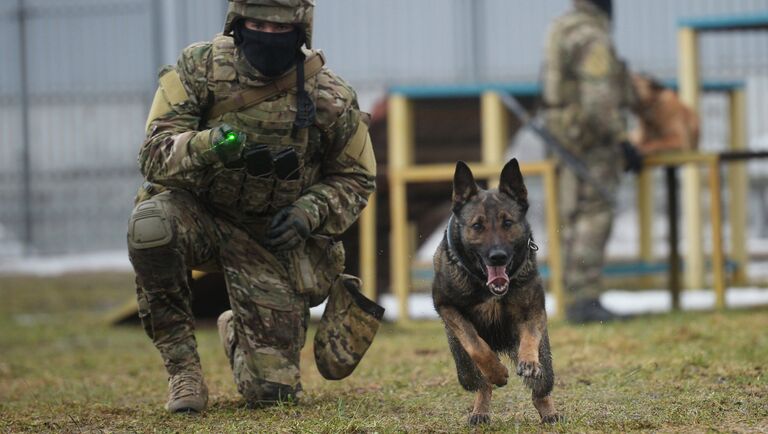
point(187, 392)
point(227, 333)
point(590, 311)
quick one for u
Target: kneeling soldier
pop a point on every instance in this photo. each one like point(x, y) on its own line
point(256, 156)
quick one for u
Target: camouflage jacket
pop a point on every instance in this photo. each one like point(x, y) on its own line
point(336, 156)
point(586, 85)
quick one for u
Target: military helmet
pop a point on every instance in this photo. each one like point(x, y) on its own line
point(297, 12)
point(604, 5)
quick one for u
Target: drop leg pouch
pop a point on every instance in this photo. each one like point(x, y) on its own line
point(347, 329)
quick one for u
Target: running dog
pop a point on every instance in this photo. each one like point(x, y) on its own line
point(488, 292)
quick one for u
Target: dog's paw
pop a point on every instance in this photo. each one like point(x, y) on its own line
point(553, 418)
point(479, 419)
point(497, 374)
point(527, 369)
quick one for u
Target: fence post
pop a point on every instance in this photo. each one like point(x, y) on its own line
point(689, 94)
point(368, 248)
point(401, 139)
point(26, 159)
point(495, 131)
point(738, 184)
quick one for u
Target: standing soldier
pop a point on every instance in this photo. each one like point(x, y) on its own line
point(255, 156)
point(585, 89)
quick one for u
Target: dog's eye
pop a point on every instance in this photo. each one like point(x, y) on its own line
point(478, 226)
point(506, 224)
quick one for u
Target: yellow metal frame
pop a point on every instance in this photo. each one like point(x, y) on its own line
point(367, 252)
point(712, 163)
point(690, 85)
point(402, 171)
point(689, 80)
point(738, 186)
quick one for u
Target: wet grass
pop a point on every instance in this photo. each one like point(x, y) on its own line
point(62, 369)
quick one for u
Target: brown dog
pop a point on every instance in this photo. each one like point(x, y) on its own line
point(665, 123)
point(488, 292)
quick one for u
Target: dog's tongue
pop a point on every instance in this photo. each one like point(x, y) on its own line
point(497, 275)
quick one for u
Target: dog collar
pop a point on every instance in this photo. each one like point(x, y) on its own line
point(448, 235)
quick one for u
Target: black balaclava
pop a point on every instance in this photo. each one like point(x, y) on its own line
point(605, 6)
point(273, 54)
point(270, 53)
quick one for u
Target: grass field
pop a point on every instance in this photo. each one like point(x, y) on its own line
point(63, 369)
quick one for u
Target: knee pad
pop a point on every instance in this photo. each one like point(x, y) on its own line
point(149, 226)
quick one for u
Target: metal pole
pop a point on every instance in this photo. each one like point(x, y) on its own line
point(26, 162)
point(400, 132)
point(477, 56)
point(495, 131)
point(158, 51)
point(718, 261)
point(738, 185)
point(674, 255)
point(368, 248)
point(690, 80)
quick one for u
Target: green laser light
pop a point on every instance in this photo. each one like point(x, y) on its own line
point(231, 137)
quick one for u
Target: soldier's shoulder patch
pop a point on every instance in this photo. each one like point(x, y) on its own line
point(597, 60)
point(333, 97)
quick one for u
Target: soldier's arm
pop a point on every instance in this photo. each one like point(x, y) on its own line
point(599, 93)
point(348, 170)
point(174, 152)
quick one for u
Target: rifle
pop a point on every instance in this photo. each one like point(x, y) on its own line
point(579, 168)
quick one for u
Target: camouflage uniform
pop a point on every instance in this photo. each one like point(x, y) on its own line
point(585, 89)
point(196, 214)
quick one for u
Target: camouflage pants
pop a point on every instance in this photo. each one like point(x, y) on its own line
point(270, 318)
point(586, 219)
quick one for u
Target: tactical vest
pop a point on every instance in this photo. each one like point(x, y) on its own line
point(561, 87)
point(234, 192)
point(561, 93)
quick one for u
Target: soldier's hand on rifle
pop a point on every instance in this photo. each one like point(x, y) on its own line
point(633, 160)
point(289, 228)
point(227, 143)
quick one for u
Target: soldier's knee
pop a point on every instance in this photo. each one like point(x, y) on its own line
point(149, 226)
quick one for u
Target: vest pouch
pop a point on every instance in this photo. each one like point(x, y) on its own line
point(315, 267)
point(286, 193)
point(224, 191)
point(257, 194)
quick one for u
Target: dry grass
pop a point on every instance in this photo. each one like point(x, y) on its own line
point(63, 369)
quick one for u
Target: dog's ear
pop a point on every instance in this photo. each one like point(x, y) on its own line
point(511, 183)
point(464, 185)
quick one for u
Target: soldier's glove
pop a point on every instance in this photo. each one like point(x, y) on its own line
point(227, 143)
point(633, 160)
point(289, 228)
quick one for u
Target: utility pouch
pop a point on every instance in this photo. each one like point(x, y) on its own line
point(306, 281)
point(347, 329)
point(258, 161)
point(287, 165)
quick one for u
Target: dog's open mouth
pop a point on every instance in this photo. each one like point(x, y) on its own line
point(498, 281)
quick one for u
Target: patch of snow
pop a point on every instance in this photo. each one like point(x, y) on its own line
point(46, 266)
point(621, 302)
